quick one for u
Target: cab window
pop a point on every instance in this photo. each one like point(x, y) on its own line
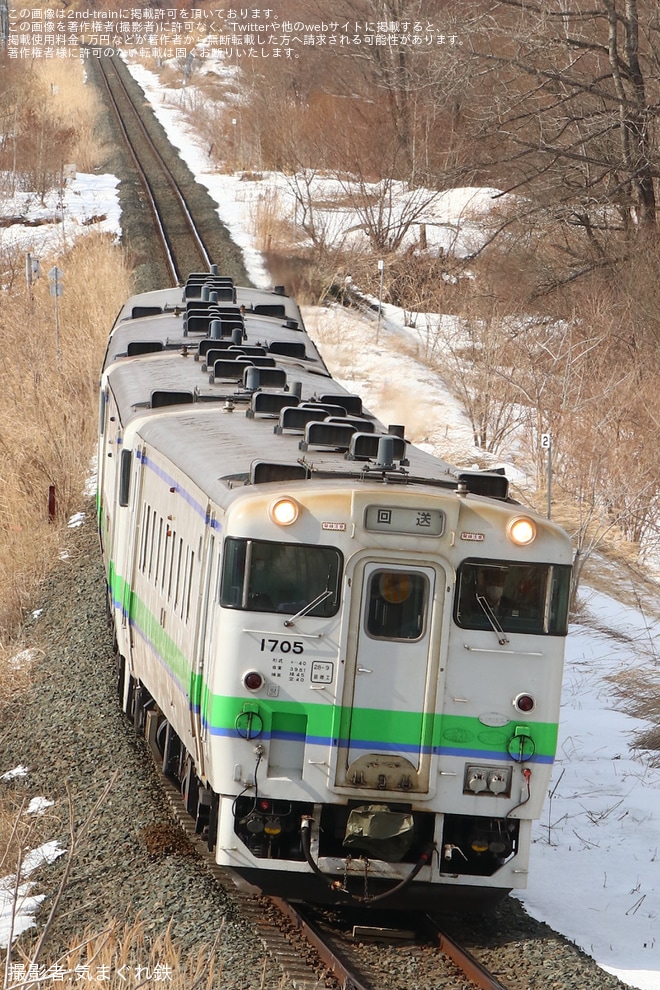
point(396, 604)
point(515, 597)
point(260, 576)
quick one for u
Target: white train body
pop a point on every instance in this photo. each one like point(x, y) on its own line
point(348, 658)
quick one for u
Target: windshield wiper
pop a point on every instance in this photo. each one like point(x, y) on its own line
point(308, 608)
point(492, 618)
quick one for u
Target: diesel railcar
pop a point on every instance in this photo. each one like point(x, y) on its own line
point(346, 652)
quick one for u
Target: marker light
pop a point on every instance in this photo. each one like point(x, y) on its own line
point(524, 703)
point(284, 511)
point(253, 680)
point(521, 531)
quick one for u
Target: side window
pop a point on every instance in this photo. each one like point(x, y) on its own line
point(152, 542)
point(396, 604)
point(188, 590)
point(166, 548)
point(171, 571)
point(159, 550)
point(146, 510)
point(233, 573)
point(103, 403)
point(125, 463)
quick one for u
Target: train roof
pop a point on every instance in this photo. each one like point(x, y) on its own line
point(175, 297)
point(243, 396)
point(224, 435)
point(135, 382)
point(221, 451)
point(168, 329)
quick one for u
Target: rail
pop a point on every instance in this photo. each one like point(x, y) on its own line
point(166, 201)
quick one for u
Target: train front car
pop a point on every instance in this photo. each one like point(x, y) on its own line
point(385, 689)
point(347, 653)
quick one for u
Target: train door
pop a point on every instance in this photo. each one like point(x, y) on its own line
point(200, 656)
point(388, 714)
point(109, 456)
point(135, 532)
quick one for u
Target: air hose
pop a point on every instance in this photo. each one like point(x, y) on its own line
point(336, 885)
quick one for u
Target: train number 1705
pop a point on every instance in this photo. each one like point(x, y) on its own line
point(281, 646)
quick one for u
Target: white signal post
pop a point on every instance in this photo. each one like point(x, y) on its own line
point(381, 269)
point(55, 276)
point(546, 444)
point(32, 272)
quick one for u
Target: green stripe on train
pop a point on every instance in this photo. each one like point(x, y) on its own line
point(325, 721)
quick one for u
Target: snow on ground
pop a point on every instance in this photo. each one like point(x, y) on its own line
point(17, 904)
point(594, 872)
point(86, 203)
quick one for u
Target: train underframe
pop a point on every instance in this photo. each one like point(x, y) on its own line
point(306, 837)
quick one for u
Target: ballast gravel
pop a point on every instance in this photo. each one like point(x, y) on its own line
point(134, 861)
point(70, 734)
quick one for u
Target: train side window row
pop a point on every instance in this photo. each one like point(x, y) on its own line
point(261, 576)
point(166, 561)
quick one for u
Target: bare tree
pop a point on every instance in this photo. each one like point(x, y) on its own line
point(387, 210)
point(575, 104)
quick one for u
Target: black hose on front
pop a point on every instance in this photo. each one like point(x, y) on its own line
point(336, 885)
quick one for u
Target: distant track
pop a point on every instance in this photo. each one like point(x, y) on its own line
point(180, 242)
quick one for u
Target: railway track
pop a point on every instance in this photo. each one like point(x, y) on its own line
point(310, 955)
point(318, 949)
point(179, 240)
point(169, 220)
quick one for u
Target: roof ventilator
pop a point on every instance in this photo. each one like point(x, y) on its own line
point(493, 484)
point(387, 449)
point(270, 404)
point(255, 378)
point(367, 446)
point(351, 403)
point(296, 418)
point(230, 370)
point(137, 347)
point(139, 312)
point(268, 472)
point(335, 435)
point(162, 397)
point(221, 354)
point(288, 348)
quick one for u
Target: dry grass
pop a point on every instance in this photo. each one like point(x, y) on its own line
point(47, 436)
point(274, 230)
point(64, 82)
point(48, 403)
point(128, 954)
point(638, 693)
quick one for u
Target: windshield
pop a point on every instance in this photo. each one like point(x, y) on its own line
point(280, 577)
point(513, 597)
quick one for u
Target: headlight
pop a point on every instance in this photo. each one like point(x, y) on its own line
point(284, 511)
point(521, 531)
